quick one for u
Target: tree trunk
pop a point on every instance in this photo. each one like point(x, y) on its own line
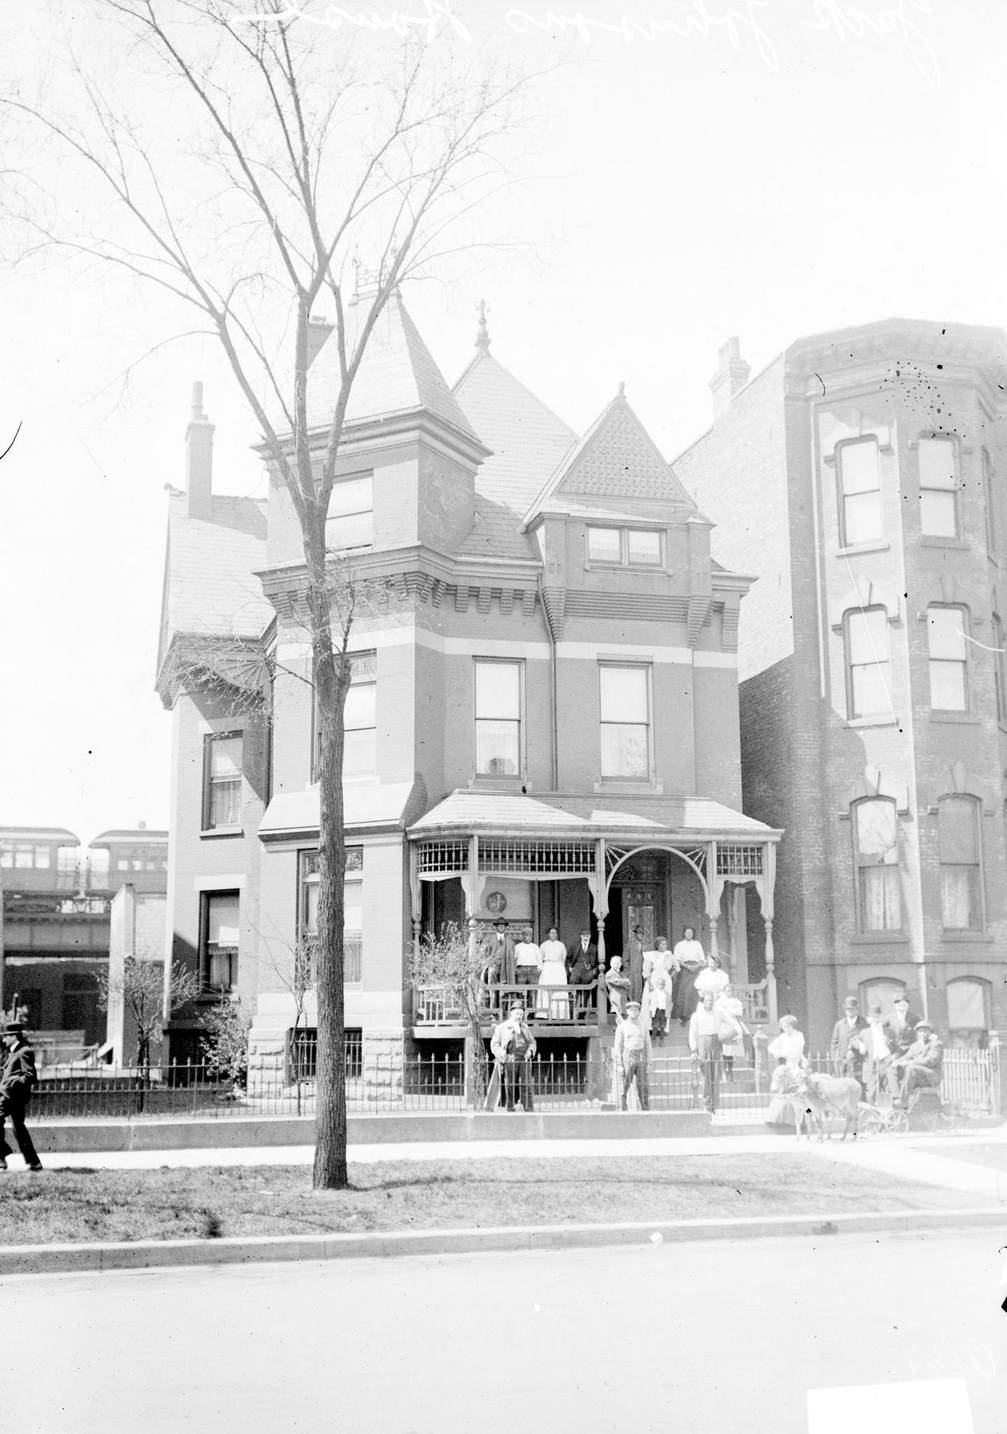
point(330, 674)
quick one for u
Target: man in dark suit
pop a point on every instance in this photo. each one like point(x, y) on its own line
point(499, 954)
point(847, 1059)
point(582, 967)
point(18, 1078)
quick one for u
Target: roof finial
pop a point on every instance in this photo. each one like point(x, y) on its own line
point(482, 333)
point(622, 388)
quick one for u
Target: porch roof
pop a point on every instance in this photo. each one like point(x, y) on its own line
point(467, 810)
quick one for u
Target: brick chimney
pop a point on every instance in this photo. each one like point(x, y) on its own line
point(318, 331)
point(731, 376)
point(198, 459)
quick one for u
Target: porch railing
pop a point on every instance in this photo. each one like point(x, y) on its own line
point(570, 1006)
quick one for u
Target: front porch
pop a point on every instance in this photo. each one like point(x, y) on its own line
point(479, 856)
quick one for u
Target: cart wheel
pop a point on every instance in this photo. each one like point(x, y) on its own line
point(898, 1122)
point(869, 1120)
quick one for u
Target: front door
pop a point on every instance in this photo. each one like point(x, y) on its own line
point(642, 905)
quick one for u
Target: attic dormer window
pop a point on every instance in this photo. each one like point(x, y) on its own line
point(350, 520)
point(625, 547)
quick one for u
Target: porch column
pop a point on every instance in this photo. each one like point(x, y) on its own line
point(472, 887)
point(732, 929)
point(768, 910)
point(599, 901)
point(415, 896)
point(713, 889)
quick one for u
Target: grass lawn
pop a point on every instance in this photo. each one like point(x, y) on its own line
point(161, 1204)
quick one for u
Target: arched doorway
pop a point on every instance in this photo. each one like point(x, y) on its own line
point(660, 889)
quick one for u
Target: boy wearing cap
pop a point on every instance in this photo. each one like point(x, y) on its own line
point(631, 1055)
point(18, 1079)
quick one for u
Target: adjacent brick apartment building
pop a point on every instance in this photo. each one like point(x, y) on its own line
point(543, 721)
point(861, 476)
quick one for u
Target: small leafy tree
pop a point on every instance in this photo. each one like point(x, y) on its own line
point(140, 987)
point(225, 1045)
point(457, 964)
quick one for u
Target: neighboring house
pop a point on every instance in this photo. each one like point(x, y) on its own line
point(137, 926)
point(54, 931)
point(861, 476)
point(542, 723)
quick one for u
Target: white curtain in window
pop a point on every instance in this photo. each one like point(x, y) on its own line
point(967, 1005)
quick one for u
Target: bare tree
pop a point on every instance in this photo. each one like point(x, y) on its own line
point(298, 156)
point(140, 986)
point(455, 967)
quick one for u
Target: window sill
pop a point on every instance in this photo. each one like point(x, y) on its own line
point(967, 938)
point(881, 938)
point(932, 540)
point(967, 719)
point(215, 833)
point(852, 550)
point(874, 722)
point(600, 567)
point(485, 782)
point(628, 785)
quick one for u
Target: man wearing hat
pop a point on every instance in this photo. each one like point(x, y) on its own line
point(844, 1047)
point(513, 1047)
point(499, 952)
point(631, 1055)
point(18, 1079)
point(921, 1065)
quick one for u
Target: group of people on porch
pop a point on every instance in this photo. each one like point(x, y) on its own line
point(667, 984)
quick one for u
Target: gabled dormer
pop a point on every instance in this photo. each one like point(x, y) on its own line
point(618, 533)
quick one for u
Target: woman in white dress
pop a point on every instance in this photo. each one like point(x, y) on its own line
point(551, 1006)
point(688, 960)
point(713, 978)
point(789, 1044)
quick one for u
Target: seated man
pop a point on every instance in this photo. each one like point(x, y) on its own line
point(921, 1066)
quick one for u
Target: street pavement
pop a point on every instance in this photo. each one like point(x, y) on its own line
point(796, 1336)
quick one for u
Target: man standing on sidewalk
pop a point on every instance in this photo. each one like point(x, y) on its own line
point(631, 1054)
point(18, 1078)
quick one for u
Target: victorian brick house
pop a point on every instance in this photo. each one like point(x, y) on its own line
point(543, 720)
point(861, 477)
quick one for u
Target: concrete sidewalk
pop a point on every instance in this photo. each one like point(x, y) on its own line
point(890, 1154)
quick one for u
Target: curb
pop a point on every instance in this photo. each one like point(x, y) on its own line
point(150, 1254)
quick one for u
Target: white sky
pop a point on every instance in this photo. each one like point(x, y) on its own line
point(809, 165)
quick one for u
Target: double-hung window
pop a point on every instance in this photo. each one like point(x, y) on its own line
point(999, 669)
point(498, 718)
point(876, 845)
point(349, 522)
point(359, 720)
point(868, 692)
point(222, 761)
point(947, 644)
point(218, 946)
point(938, 488)
point(624, 692)
point(860, 517)
point(961, 881)
point(353, 907)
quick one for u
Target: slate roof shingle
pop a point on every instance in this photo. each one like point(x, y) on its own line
point(210, 585)
point(528, 442)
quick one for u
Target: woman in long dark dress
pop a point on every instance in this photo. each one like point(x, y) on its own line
point(689, 960)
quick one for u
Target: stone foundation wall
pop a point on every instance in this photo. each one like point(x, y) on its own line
point(383, 1058)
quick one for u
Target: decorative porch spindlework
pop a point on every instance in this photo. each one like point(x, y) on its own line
point(717, 862)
